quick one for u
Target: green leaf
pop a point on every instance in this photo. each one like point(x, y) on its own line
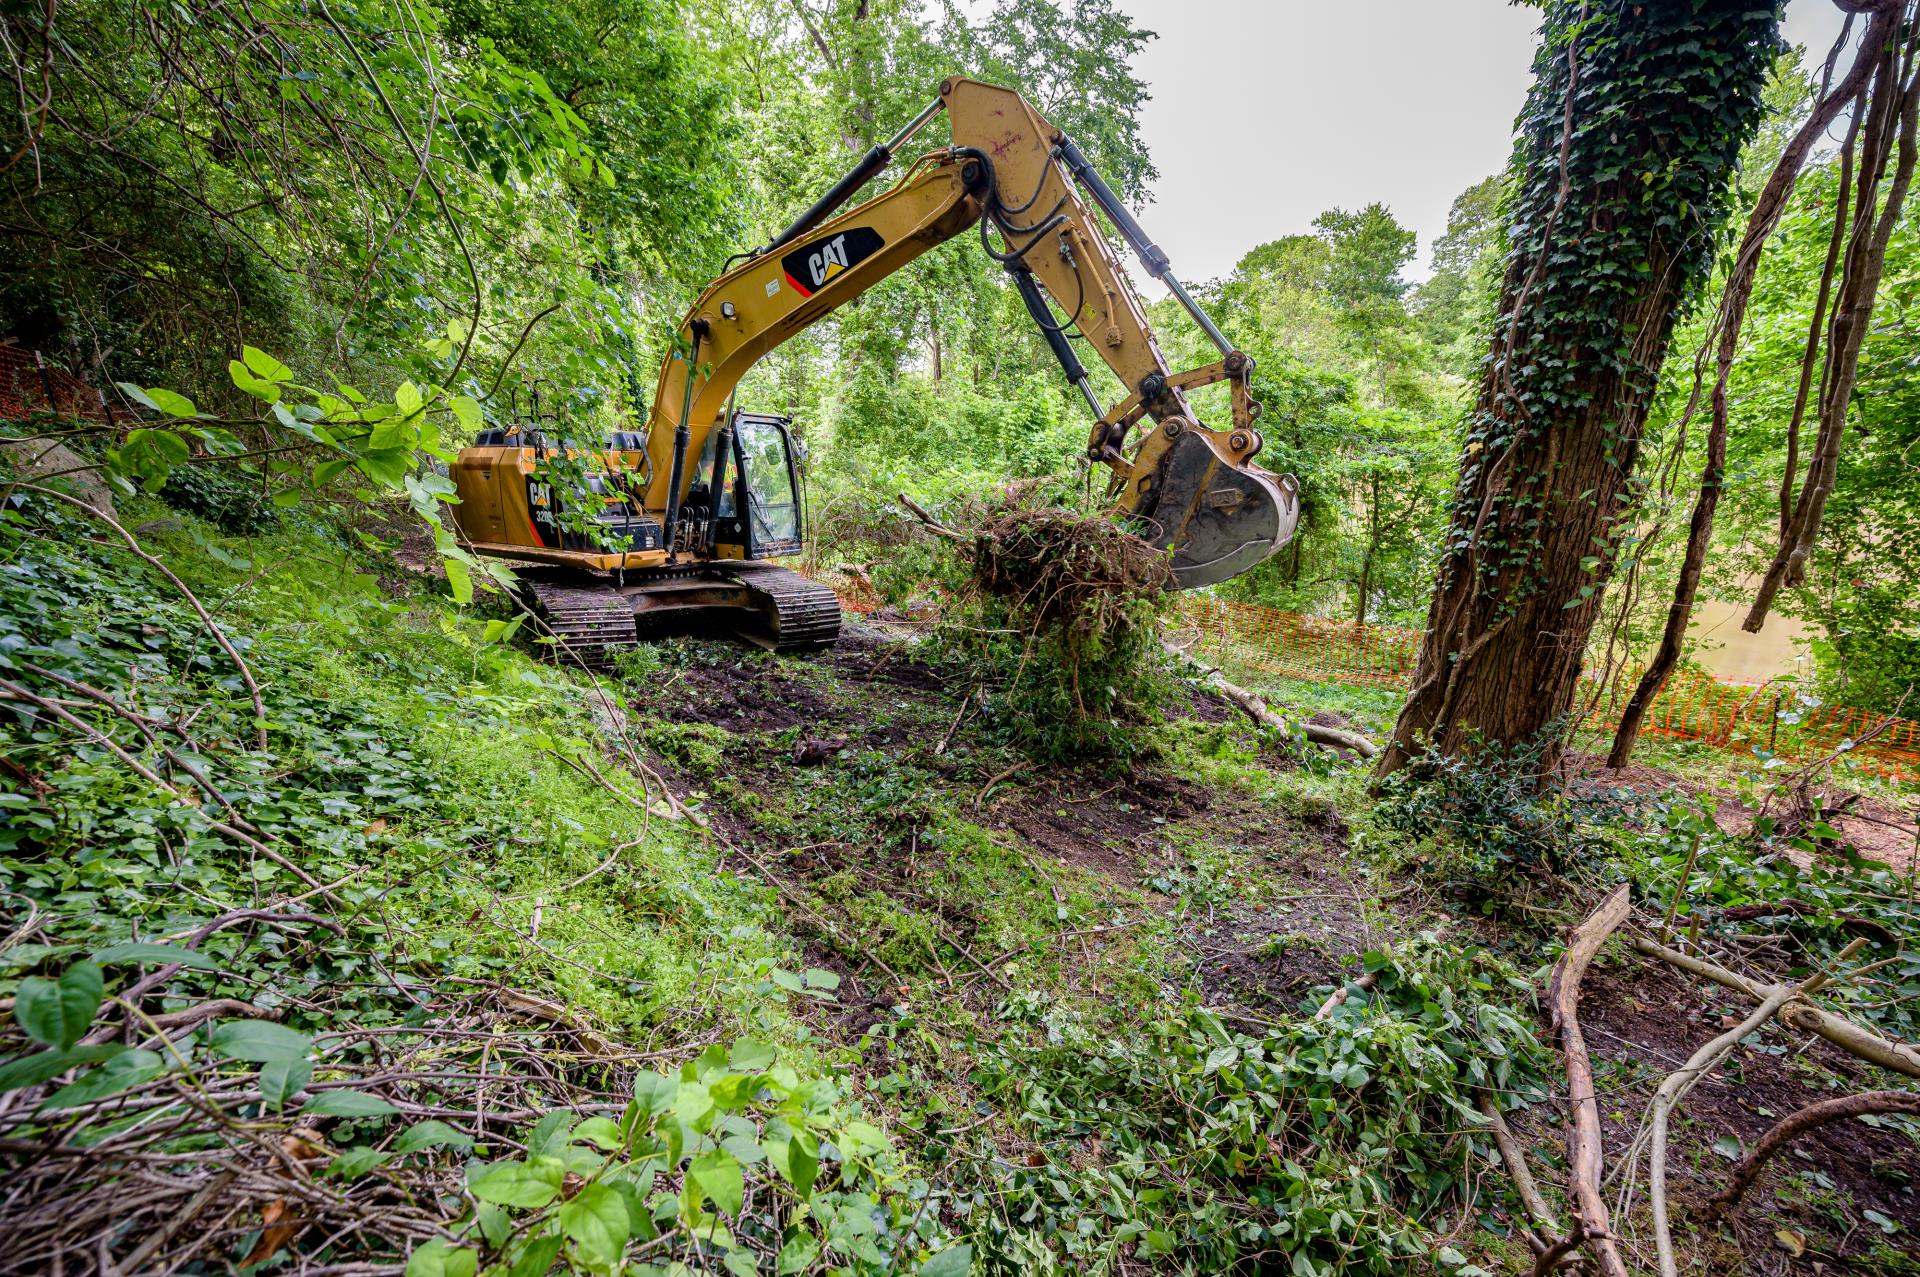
point(355, 1162)
point(720, 1177)
point(166, 447)
point(265, 366)
point(172, 404)
point(155, 954)
point(407, 398)
point(56, 1013)
point(32, 1070)
point(257, 1041)
point(282, 1079)
point(347, 1104)
point(595, 1221)
point(431, 1134)
point(522, 1184)
point(798, 1254)
point(466, 410)
point(441, 1258)
point(536, 1257)
point(599, 1132)
point(499, 631)
point(460, 581)
point(1729, 1147)
point(954, 1261)
point(255, 386)
point(751, 1056)
point(797, 1159)
point(121, 1073)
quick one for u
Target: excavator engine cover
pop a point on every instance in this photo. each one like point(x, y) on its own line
point(1218, 519)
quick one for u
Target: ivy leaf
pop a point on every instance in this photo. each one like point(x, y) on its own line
point(121, 1073)
point(431, 1134)
point(595, 1221)
point(56, 1013)
point(284, 1078)
point(719, 1176)
point(258, 1041)
point(954, 1261)
point(32, 1070)
point(355, 1162)
point(136, 951)
point(347, 1104)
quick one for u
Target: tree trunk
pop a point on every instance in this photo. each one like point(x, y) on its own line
point(1892, 122)
point(1767, 211)
point(1627, 143)
point(1366, 560)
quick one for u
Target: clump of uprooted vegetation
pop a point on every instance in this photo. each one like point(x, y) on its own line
point(1059, 606)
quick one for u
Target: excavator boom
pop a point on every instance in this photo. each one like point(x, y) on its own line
point(699, 488)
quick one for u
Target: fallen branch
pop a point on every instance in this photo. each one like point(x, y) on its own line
point(1797, 1124)
point(933, 525)
point(1585, 1150)
point(1888, 1053)
point(1677, 1085)
point(1514, 1158)
point(1257, 710)
point(1340, 995)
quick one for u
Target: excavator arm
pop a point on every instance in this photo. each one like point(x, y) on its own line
point(1191, 489)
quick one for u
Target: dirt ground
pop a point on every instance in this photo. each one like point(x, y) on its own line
point(1260, 944)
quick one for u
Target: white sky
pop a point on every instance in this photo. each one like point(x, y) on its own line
point(1265, 113)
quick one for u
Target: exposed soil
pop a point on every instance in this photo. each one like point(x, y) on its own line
point(1272, 940)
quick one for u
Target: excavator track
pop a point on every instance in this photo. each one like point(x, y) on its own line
point(801, 615)
point(590, 624)
point(777, 609)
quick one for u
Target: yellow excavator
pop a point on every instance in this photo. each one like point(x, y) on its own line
point(686, 517)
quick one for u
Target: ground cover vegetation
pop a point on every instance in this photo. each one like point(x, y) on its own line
point(347, 929)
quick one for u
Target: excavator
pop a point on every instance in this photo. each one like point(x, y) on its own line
point(686, 518)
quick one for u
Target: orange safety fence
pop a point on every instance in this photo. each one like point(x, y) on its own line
point(30, 383)
point(1767, 720)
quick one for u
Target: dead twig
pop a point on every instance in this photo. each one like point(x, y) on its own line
point(1592, 1225)
point(1797, 1124)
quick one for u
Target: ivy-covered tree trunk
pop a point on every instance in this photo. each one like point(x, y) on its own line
point(1626, 147)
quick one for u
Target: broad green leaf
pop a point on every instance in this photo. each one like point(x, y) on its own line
point(466, 410)
point(720, 1178)
point(797, 1159)
point(595, 1221)
point(167, 448)
point(265, 366)
point(174, 405)
point(32, 1070)
point(459, 581)
point(398, 434)
point(536, 1257)
point(750, 1055)
point(121, 1073)
point(522, 1184)
point(257, 1041)
point(498, 631)
point(355, 1162)
point(431, 1134)
point(954, 1261)
point(387, 467)
point(407, 398)
point(255, 386)
point(599, 1132)
point(857, 1136)
point(283, 1078)
point(799, 1252)
point(154, 954)
point(347, 1104)
point(441, 1258)
point(56, 1013)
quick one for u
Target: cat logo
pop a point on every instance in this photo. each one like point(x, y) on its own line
point(809, 267)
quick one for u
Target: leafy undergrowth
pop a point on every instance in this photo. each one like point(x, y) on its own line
point(438, 981)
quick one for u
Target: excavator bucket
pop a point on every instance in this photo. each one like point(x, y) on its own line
point(1218, 519)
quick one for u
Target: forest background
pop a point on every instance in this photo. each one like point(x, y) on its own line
point(482, 198)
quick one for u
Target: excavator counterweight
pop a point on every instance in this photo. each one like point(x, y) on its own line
point(685, 517)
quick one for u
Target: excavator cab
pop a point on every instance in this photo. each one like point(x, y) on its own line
point(753, 467)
